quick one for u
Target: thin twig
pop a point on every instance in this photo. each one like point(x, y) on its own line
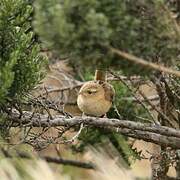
point(136, 97)
point(76, 136)
point(64, 89)
point(156, 109)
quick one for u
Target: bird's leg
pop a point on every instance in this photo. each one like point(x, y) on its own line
point(84, 115)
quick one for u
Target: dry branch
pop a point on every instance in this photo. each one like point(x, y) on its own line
point(79, 84)
point(133, 78)
point(150, 98)
point(152, 133)
point(65, 88)
point(57, 160)
point(69, 162)
point(145, 63)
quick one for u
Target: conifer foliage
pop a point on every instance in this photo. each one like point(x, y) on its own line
point(20, 62)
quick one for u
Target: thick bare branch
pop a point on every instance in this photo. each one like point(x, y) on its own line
point(152, 133)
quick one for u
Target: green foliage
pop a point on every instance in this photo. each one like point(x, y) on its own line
point(125, 107)
point(120, 142)
point(4, 127)
point(79, 29)
point(20, 62)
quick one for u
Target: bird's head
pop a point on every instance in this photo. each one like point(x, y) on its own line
point(92, 90)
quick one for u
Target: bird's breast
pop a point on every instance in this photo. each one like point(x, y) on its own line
point(93, 106)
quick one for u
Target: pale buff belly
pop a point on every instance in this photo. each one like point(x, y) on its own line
point(93, 107)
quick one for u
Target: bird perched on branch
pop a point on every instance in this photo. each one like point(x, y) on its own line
point(95, 97)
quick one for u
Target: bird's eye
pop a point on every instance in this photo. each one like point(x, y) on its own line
point(89, 92)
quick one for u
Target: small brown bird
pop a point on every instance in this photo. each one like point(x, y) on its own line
point(95, 98)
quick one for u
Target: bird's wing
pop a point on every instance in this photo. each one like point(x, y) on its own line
point(109, 91)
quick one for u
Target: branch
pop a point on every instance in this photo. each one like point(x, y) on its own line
point(56, 160)
point(69, 162)
point(150, 98)
point(131, 89)
point(145, 63)
point(152, 133)
point(65, 88)
point(79, 84)
point(76, 136)
point(133, 78)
